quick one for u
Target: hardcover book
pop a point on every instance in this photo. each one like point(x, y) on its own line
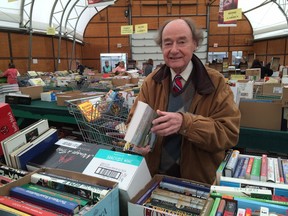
point(66, 154)
point(220, 170)
point(36, 147)
point(231, 165)
point(8, 211)
point(138, 131)
point(21, 137)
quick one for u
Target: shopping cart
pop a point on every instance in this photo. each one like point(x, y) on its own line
point(101, 120)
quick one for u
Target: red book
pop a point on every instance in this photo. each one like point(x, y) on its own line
point(249, 168)
point(8, 124)
point(25, 207)
point(264, 168)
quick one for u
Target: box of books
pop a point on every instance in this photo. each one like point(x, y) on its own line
point(165, 195)
point(8, 124)
point(61, 192)
point(252, 171)
point(129, 170)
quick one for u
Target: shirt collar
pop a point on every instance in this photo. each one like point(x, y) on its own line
point(185, 74)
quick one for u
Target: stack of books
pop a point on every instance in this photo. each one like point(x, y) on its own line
point(57, 192)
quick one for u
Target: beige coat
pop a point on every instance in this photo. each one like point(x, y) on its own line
point(209, 127)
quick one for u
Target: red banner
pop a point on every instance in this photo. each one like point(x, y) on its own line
point(223, 6)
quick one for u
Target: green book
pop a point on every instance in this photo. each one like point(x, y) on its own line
point(215, 206)
point(58, 194)
point(256, 169)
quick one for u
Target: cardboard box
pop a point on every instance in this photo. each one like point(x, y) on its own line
point(272, 89)
point(263, 114)
point(129, 170)
point(69, 95)
point(141, 210)
point(109, 205)
point(8, 124)
point(33, 91)
point(120, 81)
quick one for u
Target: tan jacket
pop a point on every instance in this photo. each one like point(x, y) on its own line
point(209, 128)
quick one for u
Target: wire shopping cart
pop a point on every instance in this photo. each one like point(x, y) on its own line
point(101, 121)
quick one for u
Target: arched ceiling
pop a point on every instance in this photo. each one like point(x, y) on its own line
point(268, 18)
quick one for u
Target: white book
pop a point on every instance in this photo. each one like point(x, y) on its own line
point(231, 165)
point(264, 211)
point(270, 170)
point(243, 192)
point(241, 212)
point(276, 170)
point(21, 137)
point(138, 131)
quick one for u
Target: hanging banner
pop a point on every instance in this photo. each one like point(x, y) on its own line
point(231, 15)
point(226, 5)
point(94, 3)
point(141, 28)
point(125, 30)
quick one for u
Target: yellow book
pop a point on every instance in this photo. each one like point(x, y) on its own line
point(12, 210)
point(89, 111)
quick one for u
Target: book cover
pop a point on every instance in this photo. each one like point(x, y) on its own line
point(78, 188)
point(62, 195)
point(207, 208)
point(256, 169)
point(249, 168)
point(24, 206)
point(36, 82)
point(6, 210)
point(231, 165)
point(281, 173)
point(53, 203)
point(220, 170)
point(276, 170)
point(230, 208)
point(66, 154)
point(8, 124)
point(12, 172)
point(264, 168)
point(89, 111)
point(37, 146)
point(138, 132)
point(23, 136)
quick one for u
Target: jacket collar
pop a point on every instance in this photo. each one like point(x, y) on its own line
point(200, 78)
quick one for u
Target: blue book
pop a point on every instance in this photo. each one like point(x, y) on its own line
point(37, 146)
point(50, 202)
point(244, 167)
point(239, 166)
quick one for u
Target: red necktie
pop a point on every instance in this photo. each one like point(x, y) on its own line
point(177, 85)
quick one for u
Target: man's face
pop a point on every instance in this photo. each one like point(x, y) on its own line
point(177, 45)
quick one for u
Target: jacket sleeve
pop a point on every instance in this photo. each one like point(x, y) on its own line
point(215, 124)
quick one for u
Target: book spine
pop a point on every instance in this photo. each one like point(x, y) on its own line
point(147, 194)
point(221, 207)
point(248, 212)
point(281, 173)
point(285, 170)
point(184, 190)
point(175, 196)
point(276, 170)
point(12, 211)
point(76, 188)
point(238, 168)
point(55, 204)
point(11, 172)
point(207, 208)
point(222, 166)
point(249, 168)
point(61, 195)
point(231, 165)
point(270, 170)
point(230, 208)
point(264, 211)
point(264, 164)
point(256, 168)
point(25, 207)
point(244, 168)
point(215, 206)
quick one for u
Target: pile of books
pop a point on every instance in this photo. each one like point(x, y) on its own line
point(48, 192)
point(172, 196)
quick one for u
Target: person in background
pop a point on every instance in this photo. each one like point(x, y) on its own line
point(119, 68)
point(149, 67)
point(106, 68)
point(197, 116)
point(80, 68)
point(242, 65)
point(11, 73)
point(265, 71)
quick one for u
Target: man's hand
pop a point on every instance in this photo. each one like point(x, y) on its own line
point(167, 123)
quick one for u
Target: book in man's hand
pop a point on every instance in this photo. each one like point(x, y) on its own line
point(138, 132)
